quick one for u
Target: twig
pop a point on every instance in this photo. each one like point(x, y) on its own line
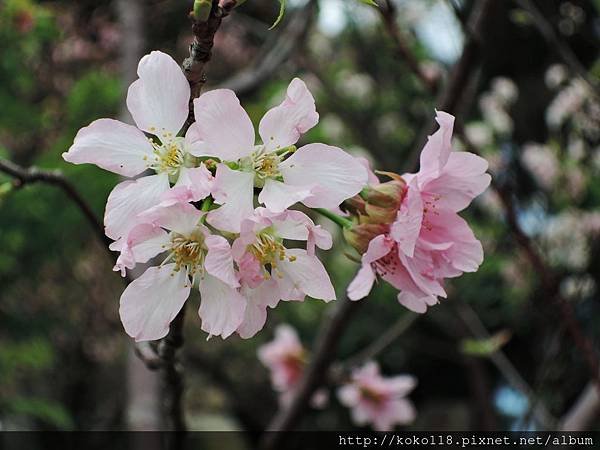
point(451, 97)
point(387, 10)
point(277, 50)
point(23, 176)
point(323, 355)
point(558, 45)
point(504, 366)
point(585, 409)
point(383, 342)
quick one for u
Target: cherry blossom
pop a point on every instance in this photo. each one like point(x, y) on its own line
point(158, 102)
point(318, 175)
point(377, 400)
point(270, 272)
point(428, 241)
point(286, 359)
point(153, 300)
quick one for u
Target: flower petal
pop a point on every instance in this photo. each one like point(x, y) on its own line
point(406, 228)
point(219, 262)
point(362, 283)
point(152, 301)
point(130, 198)
point(462, 179)
point(414, 302)
point(307, 274)
point(192, 185)
point(222, 128)
point(143, 242)
point(183, 218)
point(333, 174)
point(255, 316)
point(234, 191)
point(221, 307)
point(437, 150)
point(159, 100)
point(278, 196)
point(283, 125)
point(113, 146)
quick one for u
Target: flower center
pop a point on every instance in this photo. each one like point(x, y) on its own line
point(265, 165)
point(168, 156)
point(371, 395)
point(188, 252)
point(269, 251)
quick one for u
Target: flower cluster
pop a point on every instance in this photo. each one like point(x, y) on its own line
point(372, 398)
point(198, 208)
point(409, 232)
point(216, 205)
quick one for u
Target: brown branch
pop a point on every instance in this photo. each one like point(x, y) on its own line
point(276, 52)
point(32, 175)
point(563, 51)
point(324, 352)
point(387, 10)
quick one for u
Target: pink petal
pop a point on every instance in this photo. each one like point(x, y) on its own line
point(113, 146)
point(283, 125)
point(152, 301)
point(318, 236)
point(130, 198)
point(378, 247)
point(159, 100)
point(183, 218)
point(308, 274)
point(196, 183)
point(333, 174)
point(219, 262)
point(221, 307)
point(372, 178)
point(234, 191)
point(405, 230)
point(401, 384)
point(348, 395)
point(413, 302)
point(277, 196)
point(222, 128)
point(437, 150)
point(462, 179)
point(143, 242)
point(401, 411)
point(362, 283)
point(266, 294)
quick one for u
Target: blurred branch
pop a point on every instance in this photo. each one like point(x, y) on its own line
point(23, 176)
point(583, 412)
point(557, 44)
point(387, 10)
point(275, 52)
point(504, 366)
point(324, 351)
point(384, 341)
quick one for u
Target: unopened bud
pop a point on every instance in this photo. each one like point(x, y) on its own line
point(202, 10)
point(360, 235)
point(384, 200)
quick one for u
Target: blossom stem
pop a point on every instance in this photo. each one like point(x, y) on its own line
point(341, 221)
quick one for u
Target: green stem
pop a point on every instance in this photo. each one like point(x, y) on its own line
point(341, 221)
point(206, 204)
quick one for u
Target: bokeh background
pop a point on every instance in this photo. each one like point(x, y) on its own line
point(66, 363)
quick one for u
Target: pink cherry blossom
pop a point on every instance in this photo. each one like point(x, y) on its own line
point(270, 272)
point(286, 359)
point(158, 102)
point(318, 175)
point(152, 301)
point(377, 400)
point(428, 241)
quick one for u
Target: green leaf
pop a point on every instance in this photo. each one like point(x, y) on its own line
point(370, 2)
point(485, 347)
point(281, 14)
point(46, 410)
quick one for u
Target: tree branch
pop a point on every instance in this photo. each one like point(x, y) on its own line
point(324, 352)
point(23, 176)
